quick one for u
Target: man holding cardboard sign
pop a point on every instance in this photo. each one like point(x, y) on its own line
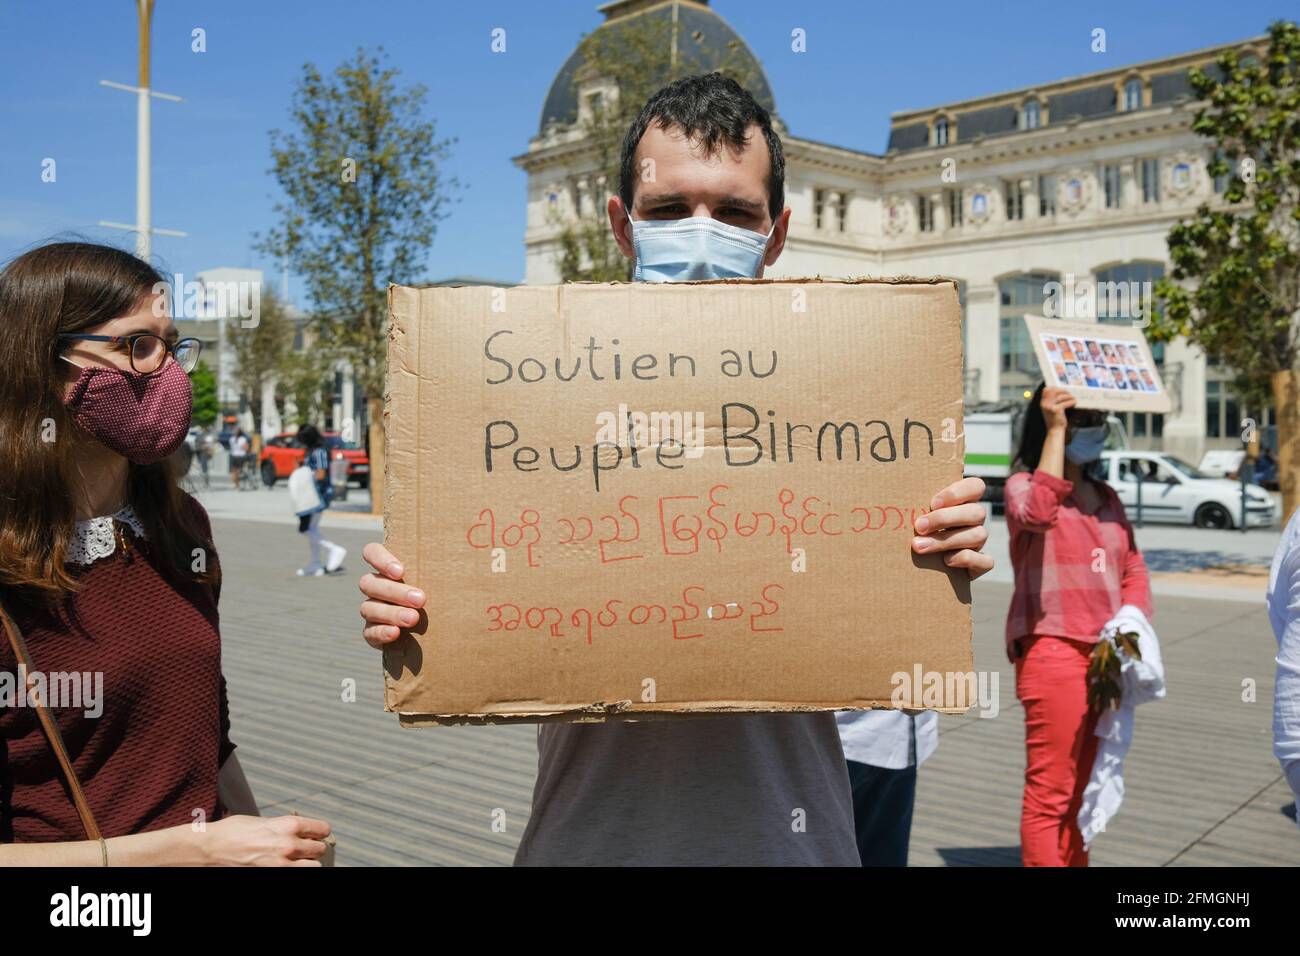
point(757, 788)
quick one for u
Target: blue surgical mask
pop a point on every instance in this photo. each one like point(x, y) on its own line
point(1086, 445)
point(676, 250)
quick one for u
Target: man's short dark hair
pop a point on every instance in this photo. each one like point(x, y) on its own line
point(711, 109)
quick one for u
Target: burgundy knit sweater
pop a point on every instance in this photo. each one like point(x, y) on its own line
point(151, 759)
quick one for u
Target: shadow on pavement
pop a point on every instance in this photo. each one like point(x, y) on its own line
point(1177, 559)
point(980, 855)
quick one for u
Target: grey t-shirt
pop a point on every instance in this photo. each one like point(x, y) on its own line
point(733, 790)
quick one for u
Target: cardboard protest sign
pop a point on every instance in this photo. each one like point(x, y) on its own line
point(642, 500)
point(1103, 366)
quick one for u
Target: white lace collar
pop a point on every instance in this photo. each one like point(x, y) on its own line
point(93, 538)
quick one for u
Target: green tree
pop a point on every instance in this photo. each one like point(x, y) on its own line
point(639, 56)
point(260, 349)
point(307, 381)
point(1235, 285)
point(361, 172)
point(204, 386)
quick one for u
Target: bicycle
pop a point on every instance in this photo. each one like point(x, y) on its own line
point(249, 479)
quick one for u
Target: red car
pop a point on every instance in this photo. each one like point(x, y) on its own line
point(282, 454)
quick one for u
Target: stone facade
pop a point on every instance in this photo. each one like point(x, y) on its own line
point(1076, 180)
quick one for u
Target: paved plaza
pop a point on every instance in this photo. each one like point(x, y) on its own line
point(1203, 785)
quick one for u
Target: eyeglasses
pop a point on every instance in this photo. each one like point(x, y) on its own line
point(146, 350)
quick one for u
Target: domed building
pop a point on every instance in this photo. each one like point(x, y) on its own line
point(1073, 181)
point(563, 181)
point(697, 36)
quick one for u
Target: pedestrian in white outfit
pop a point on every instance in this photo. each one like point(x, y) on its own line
point(1284, 614)
point(310, 493)
point(883, 750)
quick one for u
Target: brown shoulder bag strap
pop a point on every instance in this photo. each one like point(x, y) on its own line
point(52, 731)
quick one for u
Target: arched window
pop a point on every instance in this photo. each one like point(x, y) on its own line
point(1124, 297)
point(1124, 294)
point(1018, 296)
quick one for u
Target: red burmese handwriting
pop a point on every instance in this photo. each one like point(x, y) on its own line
point(691, 618)
point(682, 525)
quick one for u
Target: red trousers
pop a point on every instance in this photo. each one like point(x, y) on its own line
point(1051, 682)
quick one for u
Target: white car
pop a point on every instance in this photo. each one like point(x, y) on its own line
point(1175, 492)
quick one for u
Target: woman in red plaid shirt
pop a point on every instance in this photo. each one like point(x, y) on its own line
point(1076, 563)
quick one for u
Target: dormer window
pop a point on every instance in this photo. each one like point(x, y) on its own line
point(596, 97)
point(943, 130)
point(1132, 95)
point(1032, 113)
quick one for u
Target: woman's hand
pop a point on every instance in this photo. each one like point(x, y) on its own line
point(392, 605)
point(264, 841)
point(1056, 402)
point(956, 526)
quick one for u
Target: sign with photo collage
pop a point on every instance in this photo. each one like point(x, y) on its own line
point(1104, 366)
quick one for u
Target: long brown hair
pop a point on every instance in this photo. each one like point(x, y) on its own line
point(68, 287)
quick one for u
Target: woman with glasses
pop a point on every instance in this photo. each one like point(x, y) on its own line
point(109, 584)
point(1076, 564)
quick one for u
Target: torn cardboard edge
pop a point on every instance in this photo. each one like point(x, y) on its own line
point(828, 280)
point(620, 711)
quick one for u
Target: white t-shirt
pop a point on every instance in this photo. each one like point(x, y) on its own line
point(883, 738)
point(1284, 614)
point(239, 446)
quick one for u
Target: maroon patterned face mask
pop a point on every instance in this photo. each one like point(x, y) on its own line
point(144, 418)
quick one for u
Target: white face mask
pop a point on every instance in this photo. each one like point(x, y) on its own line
point(675, 250)
point(1086, 444)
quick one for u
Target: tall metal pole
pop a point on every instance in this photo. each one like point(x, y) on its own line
point(143, 198)
point(143, 226)
point(1140, 470)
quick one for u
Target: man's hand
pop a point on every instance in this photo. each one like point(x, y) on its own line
point(956, 527)
point(392, 605)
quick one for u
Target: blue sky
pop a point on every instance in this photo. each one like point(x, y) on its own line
point(211, 153)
